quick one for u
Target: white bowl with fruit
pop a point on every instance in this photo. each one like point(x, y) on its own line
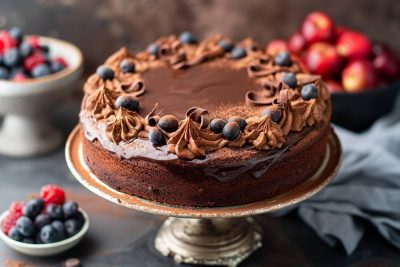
point(44, 226)
point(36, 74)
point(363, 76)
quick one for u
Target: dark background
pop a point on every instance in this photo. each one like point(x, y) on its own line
point(99, 27)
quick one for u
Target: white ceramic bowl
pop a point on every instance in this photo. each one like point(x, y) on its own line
point(26, 105)
point(42, 250)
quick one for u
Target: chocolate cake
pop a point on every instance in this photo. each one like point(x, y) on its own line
point(204, 123)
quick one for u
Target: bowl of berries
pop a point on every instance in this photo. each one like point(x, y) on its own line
point(45, 225)
point(362, 75)
point(36, 74)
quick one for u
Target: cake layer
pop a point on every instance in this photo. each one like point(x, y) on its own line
point(230, 177)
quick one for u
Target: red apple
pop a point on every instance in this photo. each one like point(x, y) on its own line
point(318, 27)
point(386, 62)
point(359, 75)
point(296, 43)
point(387, 67)
point(353, 45)
point(275, 46)
point(334, 86)
point(322, 59)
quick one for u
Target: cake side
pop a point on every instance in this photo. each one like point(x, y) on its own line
point(256, 176)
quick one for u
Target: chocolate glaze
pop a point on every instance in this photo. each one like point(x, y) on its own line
point(198, 86)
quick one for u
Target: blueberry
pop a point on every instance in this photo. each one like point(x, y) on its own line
point(274, 115)
point(40, 71)
point(289, 79)
point(16, 34)
point(240, 121)
point(33, 207)
point(238, 52)
point(42, 220)
point(72, 227)
point(25, 49)
point(283, 59)
point(106, 73)
point(45, 48)
point(49, 235)
point(56, 67)
point(153, 49)
point(231, 131)
point(127, 65)
point(25, 226)
point(60, 228)
point(129, 102)
point(11, 57)
point(79, 217)
point(227, 46)
point(188, 38)
point(156, 137)
point(38, 239)
point(217, 125)
point(309, 91)
point(70, 208)
point(55, 212)
point(168, 123)
point(14, 234)
point(4, 73)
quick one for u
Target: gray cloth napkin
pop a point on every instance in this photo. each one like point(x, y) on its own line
point(365, 191)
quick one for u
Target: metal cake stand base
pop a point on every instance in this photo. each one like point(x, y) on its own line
point(209, 236)
point(222, 242)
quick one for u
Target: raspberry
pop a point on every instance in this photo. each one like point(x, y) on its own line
point(61, 61)
point(16, 207)
point(33, 60)
point(33, 40)
point(10, 220)
point(18, 77)
point(6, 41)
point(52, 194)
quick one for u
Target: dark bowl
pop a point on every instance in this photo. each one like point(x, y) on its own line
point(357, 111)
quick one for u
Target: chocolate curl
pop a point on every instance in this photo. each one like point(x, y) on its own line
point(256, 99)
point(199, 115)
point(152, 118)
point(207, 49)
point(265, 97)
point(303, 79)
point(257, 70)
point(264, 59)
point(136, 89)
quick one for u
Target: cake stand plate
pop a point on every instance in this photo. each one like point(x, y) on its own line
point(211, 236)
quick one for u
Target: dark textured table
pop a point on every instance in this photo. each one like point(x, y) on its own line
point(123, 237)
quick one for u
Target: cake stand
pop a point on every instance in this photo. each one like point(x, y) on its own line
point(210, 236)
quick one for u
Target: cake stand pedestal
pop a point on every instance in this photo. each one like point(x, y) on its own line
point(210, 236)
